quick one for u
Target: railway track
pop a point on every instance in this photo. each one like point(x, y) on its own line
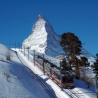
point(71, 92)
point(75, 94)
point(47, 88)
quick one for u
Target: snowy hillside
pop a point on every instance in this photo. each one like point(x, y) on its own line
point(17, 81)
point(43, 39)
point(81, 89)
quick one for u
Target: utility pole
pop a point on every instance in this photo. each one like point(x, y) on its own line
point(50, 71)
point(24, 50)
point(43, 64)
point(61, 75)
point(28, 53)
point(34, 57)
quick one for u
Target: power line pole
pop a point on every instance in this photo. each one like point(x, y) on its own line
point(24, 50)
point(34, 57)
point(61, 75)
point(43, 64)
point(28, 53)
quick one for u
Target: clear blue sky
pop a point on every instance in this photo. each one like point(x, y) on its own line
point(78, 16)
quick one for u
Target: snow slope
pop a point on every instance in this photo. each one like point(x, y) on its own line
point(43, 39)
point(17, 81)
point(81, 89)
point(57, 90)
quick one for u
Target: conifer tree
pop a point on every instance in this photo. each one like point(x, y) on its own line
point(72, 46)
point(95, 68)
point(71, 43)
point(84, 61)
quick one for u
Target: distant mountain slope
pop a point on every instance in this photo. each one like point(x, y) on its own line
point(43, 39)
point(4, 52)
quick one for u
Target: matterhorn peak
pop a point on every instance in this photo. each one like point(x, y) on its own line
point(43, 39)
point(39, 17)
point(39, 24)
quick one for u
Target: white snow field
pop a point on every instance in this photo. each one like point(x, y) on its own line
point(17, 81)
point(80, 91)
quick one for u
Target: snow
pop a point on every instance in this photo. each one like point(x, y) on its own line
point(83, 90)
point(43, 39)
point(80, 91)
point(20, 78)
point(17, 81)
point(59, 93)
point(4, 52)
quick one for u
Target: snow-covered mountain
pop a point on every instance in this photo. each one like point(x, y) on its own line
point(43, 39)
